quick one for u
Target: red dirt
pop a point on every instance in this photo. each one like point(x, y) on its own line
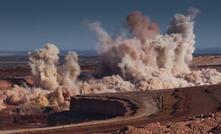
point(4, 84)
point(209, 123)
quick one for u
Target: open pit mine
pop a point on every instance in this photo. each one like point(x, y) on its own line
point(143, 81)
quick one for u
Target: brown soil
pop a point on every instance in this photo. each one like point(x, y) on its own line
point(207, 60)
point(4, 84)
point(14, 117)
point(208, 123)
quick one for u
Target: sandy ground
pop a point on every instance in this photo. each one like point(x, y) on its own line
point(209, 123)
point(207, 60)
point(19, 73)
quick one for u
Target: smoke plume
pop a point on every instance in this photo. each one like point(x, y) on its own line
point(69, 71)
point(44, 66)
point(150, 60)
point(48, 74)
point(143, 60)
point(54, 84)
point(141, 26)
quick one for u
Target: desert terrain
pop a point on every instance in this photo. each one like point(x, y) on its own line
point(142, 80)
point(203, 120)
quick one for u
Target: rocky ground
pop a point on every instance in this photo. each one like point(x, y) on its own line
point(201, 124)
point(209, 123)
point(207, 60)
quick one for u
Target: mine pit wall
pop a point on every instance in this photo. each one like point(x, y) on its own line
point(159, 105)
point(100, 106)
point(118, 104)
point(156, 105)
point(180, 103)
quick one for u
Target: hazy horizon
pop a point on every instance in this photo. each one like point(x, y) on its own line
point(93, 52)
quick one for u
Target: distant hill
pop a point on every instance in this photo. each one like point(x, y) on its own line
point(208, 51)
point(198, 51)
point(62, 53)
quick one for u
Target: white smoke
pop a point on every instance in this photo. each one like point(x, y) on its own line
point(54, 84)
point(69, 71)
point(48, 74)
point(145, 61)
point(155, 62)
point(44, 66)
point(107, 84)
point(19, 95)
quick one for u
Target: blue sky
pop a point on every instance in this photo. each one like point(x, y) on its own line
point(29, 24)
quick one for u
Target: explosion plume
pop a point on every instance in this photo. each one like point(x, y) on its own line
point(53, 83)
point(48, 74)
point(44, 66)
point(141, 26)
point(149, 59)
point(143, 60)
